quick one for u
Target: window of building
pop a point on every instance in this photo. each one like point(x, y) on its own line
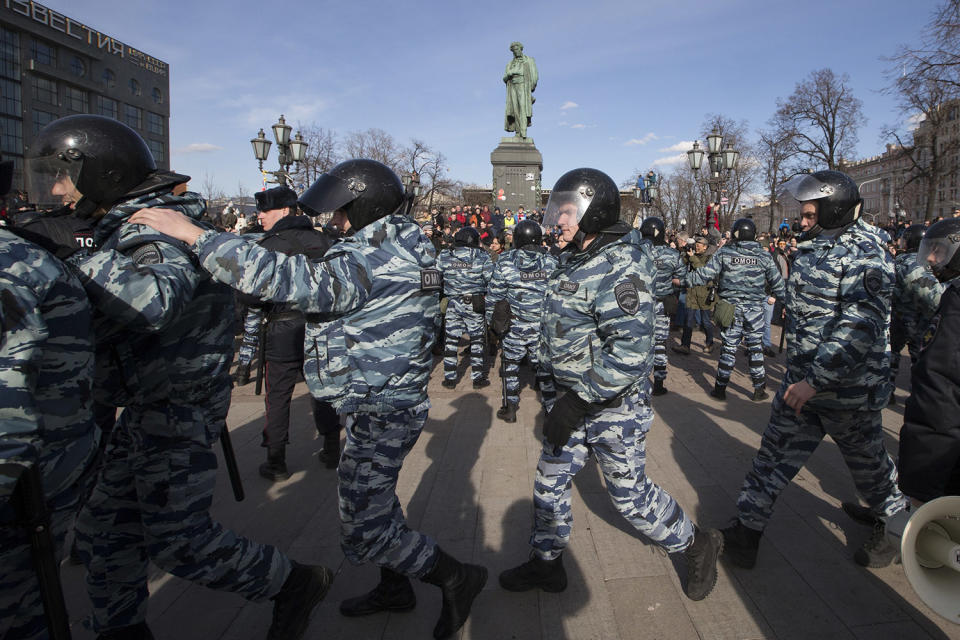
point(75, 99)
point(43, 52)
point(10, 103)
point(44, 90)
point(109, 78)
point(108, 107)
point(42, 119)
point(134, 87)
point(11, 135)
point(78, 67)
point(9, 54)
point(154, 124)
point(133, 116)
point(158, 151)
point(157, 96)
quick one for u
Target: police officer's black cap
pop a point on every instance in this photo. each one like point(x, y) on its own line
point(276, 198)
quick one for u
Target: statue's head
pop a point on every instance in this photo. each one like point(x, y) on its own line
point(516, 48)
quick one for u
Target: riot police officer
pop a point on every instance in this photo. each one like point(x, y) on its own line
point(369, 355)
point(597, 333)
point(837, 377)
point(744, 273)
point(520, 281)
point(164, 340)
point(466, 271)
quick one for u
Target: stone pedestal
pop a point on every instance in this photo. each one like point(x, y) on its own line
point(516, 174)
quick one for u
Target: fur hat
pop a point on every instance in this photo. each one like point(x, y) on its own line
point(276, 198)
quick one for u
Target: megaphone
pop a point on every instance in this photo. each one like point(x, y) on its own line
point(929, 540)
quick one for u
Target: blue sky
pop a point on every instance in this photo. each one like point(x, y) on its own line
point(622, 83)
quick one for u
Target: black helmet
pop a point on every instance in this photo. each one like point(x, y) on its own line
point(837, 195)
point(912, 235)
point(744, 229)
point(654, 229)
point(938, 249)
point(589, 194)
point(99, 157)
point(366, 190)
point(527, 232)
point(467, 237)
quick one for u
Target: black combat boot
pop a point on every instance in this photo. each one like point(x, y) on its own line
point(329, 455)
point(243, 374)
point(877, 551)
point(460, 584)
point(508, 412)
point(304, 588)
point(481, 382)
point(658, 388)
point(859, 513)
point(760, 394)
point(741, 544)
point(719, 392)
point(139, 631)
point(682, 349)
point(393, 593)
point(702, 562)
point(275, 468)
point(535, 573)
point(449, 383)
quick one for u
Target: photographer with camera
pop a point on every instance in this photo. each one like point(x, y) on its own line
point(700, 299)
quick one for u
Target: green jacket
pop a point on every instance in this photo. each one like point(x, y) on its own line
point(697, 296)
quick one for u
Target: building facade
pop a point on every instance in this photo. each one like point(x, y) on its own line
point(884, 181)
point(52, 66)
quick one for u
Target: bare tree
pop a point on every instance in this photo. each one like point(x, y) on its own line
point(375, 144)
point(741, 180)
point(209, 189)
point(774, 150)
point(824, 116)
point(322, 154)
point(682, 201)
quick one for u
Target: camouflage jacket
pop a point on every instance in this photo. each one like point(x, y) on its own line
point(916, 295)
point(164, 329)
point(838, 314)
point(371, 304)
point(466, 270)
point(744, 272)
point(46, 368)
point(520, 277)
point(598, 318)
point(668, 263)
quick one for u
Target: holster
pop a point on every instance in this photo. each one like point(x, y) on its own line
point(479, 302)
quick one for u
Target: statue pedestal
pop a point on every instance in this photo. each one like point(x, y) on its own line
point(516, 174)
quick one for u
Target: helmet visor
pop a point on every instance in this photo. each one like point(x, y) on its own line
point(328, 194)
point(566, 208)
point(938, 252)
point(805, 187)
point(52, 182)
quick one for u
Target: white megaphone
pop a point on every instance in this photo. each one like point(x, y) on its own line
point(929, 540)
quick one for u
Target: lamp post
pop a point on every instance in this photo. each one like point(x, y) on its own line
point(411, 188)
point(289, 151)
point(647, 190)
point(721, 160)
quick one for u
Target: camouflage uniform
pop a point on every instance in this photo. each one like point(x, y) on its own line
point(838, 309)
point(466, 271)
point(520, 277)
point(744, 272)
point(251, 335)
point(669, 266)
point(46, 370)
point(164, 346)
point(371, 305)
point(597, 332)
point(916, 297)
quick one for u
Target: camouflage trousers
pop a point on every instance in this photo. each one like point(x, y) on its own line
point(372, 526)
point(461, 319)
point(790, 439)
point(152, 503)
point(904, 334)
point(523, 340)
point(617, 438)
point(21, 605)
point(747, 326)
point(661, 334)
point(251, 335)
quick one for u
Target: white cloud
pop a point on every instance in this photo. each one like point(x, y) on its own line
point(198, 147)
point(640, 141)
point(668, 160)
point(578, 126)
point(569, 104)
point(683, 145)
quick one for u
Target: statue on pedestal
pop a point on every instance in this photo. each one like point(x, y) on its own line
point(521, 80)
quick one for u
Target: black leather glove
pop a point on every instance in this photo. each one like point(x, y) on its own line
point(62, 235)
point(565, 416)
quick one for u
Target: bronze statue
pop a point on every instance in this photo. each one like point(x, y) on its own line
point(521, 80)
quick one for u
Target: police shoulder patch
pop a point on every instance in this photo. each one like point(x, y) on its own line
point(147, 254)
point(628, 298)
point(431, 280)
point(930, 333)
point(873, 281)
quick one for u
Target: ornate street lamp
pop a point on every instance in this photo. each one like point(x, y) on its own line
point(721, 160)
point(289, 152)
point(411, 188)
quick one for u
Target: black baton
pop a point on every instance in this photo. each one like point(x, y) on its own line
point(261, 352)
point(228, 456)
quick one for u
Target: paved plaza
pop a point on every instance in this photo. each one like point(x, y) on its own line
point(468, 483)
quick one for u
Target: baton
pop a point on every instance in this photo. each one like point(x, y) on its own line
point(783, 332)
point(261, 337)
point(32, 511)
point(503, 375)
point(231, 459)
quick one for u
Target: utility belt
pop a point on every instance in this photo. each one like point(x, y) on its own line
point(596, 407)
point(476, 300)
point(286, 315)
